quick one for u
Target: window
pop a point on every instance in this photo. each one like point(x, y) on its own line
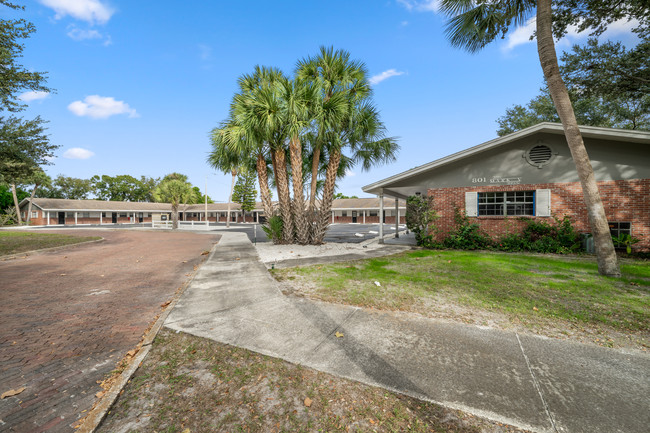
point(103, 214)
point(344, 213)
point(620, 228)
point(373, 213)
point(513, 203)
point(35, 214)
point(122, 215)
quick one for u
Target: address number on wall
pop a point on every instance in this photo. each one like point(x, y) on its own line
point(506, 180)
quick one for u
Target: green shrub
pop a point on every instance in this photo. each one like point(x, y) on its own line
point(466, 235)
point(420, 218)
point(543, 237)
point(273, 228)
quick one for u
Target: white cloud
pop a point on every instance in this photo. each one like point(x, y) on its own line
point(376, 79)
point(78, 153)
point(521, 35)
point(91, 11)
point(33, 96)
point(101, 107)
point(205, 52)
point(421, 5)
point(349, 173)
point(80, 35)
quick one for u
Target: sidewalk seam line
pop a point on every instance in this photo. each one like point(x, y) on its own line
point(336, 328)
point(537, 386)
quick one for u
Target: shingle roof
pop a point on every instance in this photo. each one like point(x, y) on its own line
point(58, 204)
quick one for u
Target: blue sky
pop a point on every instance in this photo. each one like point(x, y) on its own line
point(139, 84)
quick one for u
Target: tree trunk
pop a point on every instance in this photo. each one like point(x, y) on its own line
point(29, 207)
point(15, 195)
point(328, 195)
point(265, 191)
point(232, 188)
point(314, 178)
point(284, 196)
point(605, 253)
point(302, 230)
point(174, 216)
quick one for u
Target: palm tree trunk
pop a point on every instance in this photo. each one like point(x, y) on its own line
point(302, 230)
point(605, 253)
point(265, 192)
point(29, 207)
point(328, 195)
point(232, 188)
point(314, 178)
point(284, 196)
point(15, 195)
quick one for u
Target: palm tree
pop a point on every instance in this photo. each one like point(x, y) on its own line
point(338, 78)
point(174, 189)
point(473, 25)
point(224, 159)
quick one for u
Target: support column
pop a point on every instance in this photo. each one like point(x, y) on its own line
point(75, 218)
point(396, 217)
point(381, 218)
point(364, 216)
point(48, 217)
point(101, 218)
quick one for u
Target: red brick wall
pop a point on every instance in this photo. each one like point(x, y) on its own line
point(624, 201)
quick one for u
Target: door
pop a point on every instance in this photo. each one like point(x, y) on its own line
point(354, 216)
point(114, 217)
point(61, 217)
point(140, 217)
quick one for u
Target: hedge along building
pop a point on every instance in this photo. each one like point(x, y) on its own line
point(531, 174)
point(50, 211)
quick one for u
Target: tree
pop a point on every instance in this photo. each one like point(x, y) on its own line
point(23, 143)
point(174, 189)
point(244, 192)
point(474, 24)
point(123, 188)
point(24, 147)
point(340, 195)
point(7, 198)
point(37, 179)
point(609, 86)
point(71, 188)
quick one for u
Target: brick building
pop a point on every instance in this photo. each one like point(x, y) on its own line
point(531, 174)
point(52, 211)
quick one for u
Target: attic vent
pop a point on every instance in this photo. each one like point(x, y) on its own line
point(539, 155)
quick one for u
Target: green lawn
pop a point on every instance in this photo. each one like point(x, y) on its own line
point(20, 242)
point(528, 289)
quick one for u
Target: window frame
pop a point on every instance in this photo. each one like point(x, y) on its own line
point(528, 207)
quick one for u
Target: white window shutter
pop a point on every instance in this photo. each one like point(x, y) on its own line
point(543, 203)
point(471, 204)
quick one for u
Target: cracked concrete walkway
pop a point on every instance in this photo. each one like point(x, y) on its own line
point(535, 383)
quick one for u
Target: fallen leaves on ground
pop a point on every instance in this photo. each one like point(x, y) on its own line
point(12, 392)
point(308, 402)
point(339, 334)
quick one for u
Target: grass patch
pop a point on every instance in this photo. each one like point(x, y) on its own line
point(191, 384)
point(20, 242)
point(527, 289)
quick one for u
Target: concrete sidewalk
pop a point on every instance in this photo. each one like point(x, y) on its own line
point(535, 383)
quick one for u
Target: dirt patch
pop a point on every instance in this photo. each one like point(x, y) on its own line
point(192, 384)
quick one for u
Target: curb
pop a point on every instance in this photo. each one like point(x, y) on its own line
point(97, 414)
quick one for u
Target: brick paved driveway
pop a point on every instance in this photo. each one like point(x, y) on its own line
point(67, 317)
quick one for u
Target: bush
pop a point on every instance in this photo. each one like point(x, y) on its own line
point(420, 218)
point(542, 237)
point(273, 228)
point(466, 235)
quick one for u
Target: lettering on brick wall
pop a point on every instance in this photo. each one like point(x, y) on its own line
point(497, 180)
